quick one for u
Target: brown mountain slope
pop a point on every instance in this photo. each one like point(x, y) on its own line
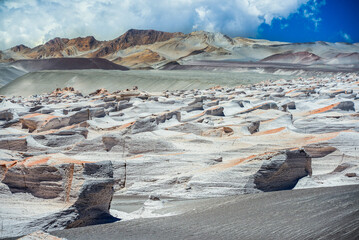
point(89, 47)
point(139, 60)
point(150, 48)
point(132, 38)
point(20, 48)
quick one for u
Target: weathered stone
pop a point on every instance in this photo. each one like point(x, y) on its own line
point(6, 115)
point(87, 187)
point(43, 122)
point(346, 106)
point(14, 143)
point(167, 116)
point(121, 105)
point(282, 171)
point(253, 127)
point(193, 107)
point(318, 151)
point(264, 106)
point(34, 109)
point(216, 111)
point(144, 125)
point(86, 114)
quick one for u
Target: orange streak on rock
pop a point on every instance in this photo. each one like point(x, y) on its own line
point(37, 162)
point(324, 109)
point(47, 119)
point(237, 161)
point(67, 160)
point(136, 156)
point(269, 120)
point(126, 125)
point(198, 115)
point(271, 131)
point(339, 90)
point(290, 91)
point(7, 164)
point(32, 115)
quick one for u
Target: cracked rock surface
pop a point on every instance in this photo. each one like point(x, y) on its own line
point(65, 154)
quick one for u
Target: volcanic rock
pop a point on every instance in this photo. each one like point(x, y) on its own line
point(283, 171)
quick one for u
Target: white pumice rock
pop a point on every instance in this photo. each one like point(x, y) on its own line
point(220, 141)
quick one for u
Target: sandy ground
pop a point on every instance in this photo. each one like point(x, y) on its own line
point(88, 81)
point(324, 213)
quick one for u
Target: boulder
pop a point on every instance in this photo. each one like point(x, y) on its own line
point(86, 187)
point(215, 111)
point(289, 105)
point(253, 127)
point(6, 115)
point(14, 143)
point(318, 150)
point(282, 171)
point(86, 114)
point(43, 122)
point(34, 109)
point(167, 116)
point(144, 125)
point(121, 105)
point(263, 106)
point(345, 106)
point(193, 107)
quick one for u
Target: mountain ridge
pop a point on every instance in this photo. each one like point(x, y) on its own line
point(150, 49)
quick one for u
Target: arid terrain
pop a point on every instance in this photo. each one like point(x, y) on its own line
point(221, 137)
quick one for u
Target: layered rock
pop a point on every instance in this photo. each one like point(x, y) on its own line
point(198, 143)
point(83, 189)
point(283, 171)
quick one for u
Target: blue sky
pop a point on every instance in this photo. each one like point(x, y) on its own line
point(33, 22)
point(332, 21)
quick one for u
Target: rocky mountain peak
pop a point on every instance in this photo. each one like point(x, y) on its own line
point(19, 48)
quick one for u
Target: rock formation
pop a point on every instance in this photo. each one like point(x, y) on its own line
point(81, 192)
point(68, 152)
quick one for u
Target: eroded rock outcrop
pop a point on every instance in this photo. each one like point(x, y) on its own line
point(282, 171)
point(85, 189)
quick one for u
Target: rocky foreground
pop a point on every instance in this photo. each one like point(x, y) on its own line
point(64, 155)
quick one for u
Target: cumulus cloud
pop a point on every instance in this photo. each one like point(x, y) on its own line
point(34, 22)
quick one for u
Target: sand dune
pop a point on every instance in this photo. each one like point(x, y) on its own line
point(9, 73)
point(328, 213)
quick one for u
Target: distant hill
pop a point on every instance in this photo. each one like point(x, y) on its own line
point(153, 49)
point(66, 64)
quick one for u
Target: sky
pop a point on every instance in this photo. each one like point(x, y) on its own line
point(33, 22)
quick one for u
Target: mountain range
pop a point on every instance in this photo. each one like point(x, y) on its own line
point(138, 49)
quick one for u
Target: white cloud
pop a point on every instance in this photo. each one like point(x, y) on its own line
point(32, 22)
point(345, 36)
point(312, 10)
